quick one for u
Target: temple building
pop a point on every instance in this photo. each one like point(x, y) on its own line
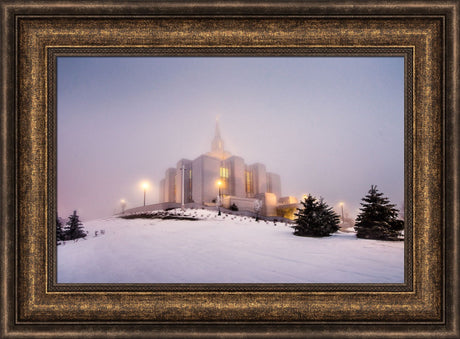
point(220, 177)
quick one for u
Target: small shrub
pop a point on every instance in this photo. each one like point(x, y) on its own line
point(233, 207)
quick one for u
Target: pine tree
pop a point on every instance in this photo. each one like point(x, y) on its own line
point(315, 219)
point(378, 218)
point(59, 230)
point(74, 228)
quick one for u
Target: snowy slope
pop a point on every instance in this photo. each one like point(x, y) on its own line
point(222, 249)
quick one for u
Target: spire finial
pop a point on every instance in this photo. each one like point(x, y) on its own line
point(217, 130)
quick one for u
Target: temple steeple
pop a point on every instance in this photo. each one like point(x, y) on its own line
point(217, 145)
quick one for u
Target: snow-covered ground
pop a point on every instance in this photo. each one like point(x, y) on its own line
point(222, 249)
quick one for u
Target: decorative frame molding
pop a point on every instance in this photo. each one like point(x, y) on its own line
point(34, 33)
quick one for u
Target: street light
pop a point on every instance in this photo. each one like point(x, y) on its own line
point(183, 186)
point(341, 205)
point(123, 205)
point(219, 184)
point(145, 185)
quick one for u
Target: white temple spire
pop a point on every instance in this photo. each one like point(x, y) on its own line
point(217, 143)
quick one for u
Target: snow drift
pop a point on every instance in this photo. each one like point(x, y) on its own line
point(222, 249)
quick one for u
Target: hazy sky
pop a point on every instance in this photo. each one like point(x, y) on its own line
point(329, 126)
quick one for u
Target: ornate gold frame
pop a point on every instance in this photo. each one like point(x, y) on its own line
point(33, 34)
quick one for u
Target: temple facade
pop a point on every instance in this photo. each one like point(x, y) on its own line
point(218, 177)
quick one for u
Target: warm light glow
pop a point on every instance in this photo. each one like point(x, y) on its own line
point(305, 196)
point(219, 183)
point(122, 201)
point(341, 203)
point(145, 185)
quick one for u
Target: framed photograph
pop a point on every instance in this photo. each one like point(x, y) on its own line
point(216, 169)
point(217, 216)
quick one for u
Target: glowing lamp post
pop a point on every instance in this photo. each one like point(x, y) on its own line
point(341, 205)
point(219, 184)
point(123, 205)
point(183, 186)
point(145, 185)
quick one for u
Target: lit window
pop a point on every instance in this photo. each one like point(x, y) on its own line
point(224, 172)
point(248, 182)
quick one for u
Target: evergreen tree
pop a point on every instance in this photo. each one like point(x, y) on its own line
point(59, 230)
point(315, 219)
point(74, 228)
point(377, 219)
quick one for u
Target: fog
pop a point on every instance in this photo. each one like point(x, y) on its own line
point(330, 126)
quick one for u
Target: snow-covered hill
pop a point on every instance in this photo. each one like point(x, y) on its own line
point(222, 249)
